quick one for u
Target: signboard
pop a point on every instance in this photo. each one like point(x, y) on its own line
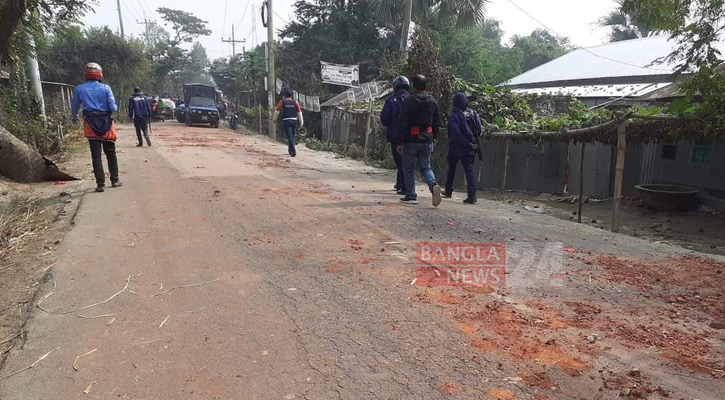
point(343, 75)
point(302, 100)
point(279, 86)
point(316, 103)
point(350, 96)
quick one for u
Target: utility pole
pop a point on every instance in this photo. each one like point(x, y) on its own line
point(146, 30)
point(35, 83)
point(233, 42)
point(271, 81)
point(120, 18)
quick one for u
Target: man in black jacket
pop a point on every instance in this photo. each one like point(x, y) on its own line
point(417, 129)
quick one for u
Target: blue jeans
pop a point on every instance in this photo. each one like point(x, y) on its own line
point(420, 152)
point(290, 126)
point(398, 158)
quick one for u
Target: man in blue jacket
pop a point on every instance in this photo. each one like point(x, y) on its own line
point(389, 117)
point(139, 110)
point(464, 126)
point(98, 104)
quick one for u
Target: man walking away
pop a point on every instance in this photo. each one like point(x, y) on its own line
point(464, 126)
point(291, 113)
point(417, 129)
point(98, 104)
point(139, 110)
point(389, 117)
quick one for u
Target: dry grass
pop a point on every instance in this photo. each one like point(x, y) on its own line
point(21, 221)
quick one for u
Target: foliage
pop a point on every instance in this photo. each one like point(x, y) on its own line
point(539, 48)
point(625, 23)
point(426, 58)
point(464, 13)
point(195, 70)
point(33, 17)
point(504, 110)
point(697, 26)
point(168, 56)
point(476, 57)
point(20, 115)
point(185, 26)
point(124, 62)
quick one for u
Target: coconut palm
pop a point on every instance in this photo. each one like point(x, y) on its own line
point(466, 13)
point(625, 25)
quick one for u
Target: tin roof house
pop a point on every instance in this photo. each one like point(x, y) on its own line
point(624, 71)
point(613, 75)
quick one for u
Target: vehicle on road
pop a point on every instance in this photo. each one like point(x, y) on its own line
point(202, 110)
point(200, 104)
point(180, 113)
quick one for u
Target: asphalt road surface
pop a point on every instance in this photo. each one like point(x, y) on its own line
point(241, 273)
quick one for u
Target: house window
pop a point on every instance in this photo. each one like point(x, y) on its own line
point(702, 154)
point(669, 152)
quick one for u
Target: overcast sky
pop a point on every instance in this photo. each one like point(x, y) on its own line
point(575, 19)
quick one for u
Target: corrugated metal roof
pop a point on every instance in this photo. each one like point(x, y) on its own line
point(592, 91)
point(380, 89)
point(629, 58)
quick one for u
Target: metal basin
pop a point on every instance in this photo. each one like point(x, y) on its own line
point(667, 197)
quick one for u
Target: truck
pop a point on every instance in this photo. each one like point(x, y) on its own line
point(200, 102)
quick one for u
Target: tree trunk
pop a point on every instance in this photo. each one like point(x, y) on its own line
point(11, 13)
point(22, 163)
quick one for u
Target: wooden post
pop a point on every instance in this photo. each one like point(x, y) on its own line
point(618, 173)
point(260, 120)
point(505, 165)
point(581, 184)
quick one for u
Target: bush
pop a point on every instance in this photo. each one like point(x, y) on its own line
point(20, 115)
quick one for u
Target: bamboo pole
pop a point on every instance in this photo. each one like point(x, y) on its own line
point(505, 165)
point(618, 173)
point(581, 184)
point(260, 120)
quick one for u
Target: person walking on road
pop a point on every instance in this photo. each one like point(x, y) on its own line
point(139, 110)
point(291, 114)
point(389, 117)
point(464, 126)
point(98, 104)
point(417, 130)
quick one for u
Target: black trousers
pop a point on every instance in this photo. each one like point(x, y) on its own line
point(109, 148)
point(141, 123)
point(467, 162)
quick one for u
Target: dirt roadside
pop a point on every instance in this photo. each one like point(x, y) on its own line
point(34, 219)
point(304, 270)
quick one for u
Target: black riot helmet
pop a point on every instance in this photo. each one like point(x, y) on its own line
point(419, 82)
point(401, 82)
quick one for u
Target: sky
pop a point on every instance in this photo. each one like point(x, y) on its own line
point(575, 19)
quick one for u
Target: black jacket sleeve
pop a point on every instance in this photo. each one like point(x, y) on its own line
point(436, 120)
point(404, 123)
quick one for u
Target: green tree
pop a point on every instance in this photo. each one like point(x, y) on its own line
point(476, 54)
point(539, 48)
point(626, 24)
point(400, 13)
point(19, 17)
point(194, 70)
point(168, 55)
point(125, 65)
point(697, 26)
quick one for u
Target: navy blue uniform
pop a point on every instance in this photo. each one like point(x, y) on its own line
point(389, 117)
point(463, 127)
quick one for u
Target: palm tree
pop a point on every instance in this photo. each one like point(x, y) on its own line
point(466, 13)
point(624, 25)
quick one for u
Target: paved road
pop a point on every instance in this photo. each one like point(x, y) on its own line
point(250, 275)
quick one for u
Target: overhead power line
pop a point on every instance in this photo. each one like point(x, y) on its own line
point(243, 14)
point(581, 47)
point(224, 24)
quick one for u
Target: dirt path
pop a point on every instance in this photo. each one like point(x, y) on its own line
point(232, 271)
